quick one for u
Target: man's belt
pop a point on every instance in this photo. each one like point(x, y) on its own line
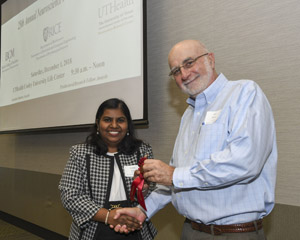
point(233, 228)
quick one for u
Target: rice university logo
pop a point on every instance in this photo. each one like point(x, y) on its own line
point(49, 32)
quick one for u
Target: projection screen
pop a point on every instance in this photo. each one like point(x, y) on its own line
point(60, 59)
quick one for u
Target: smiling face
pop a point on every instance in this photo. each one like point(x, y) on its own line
point(113, 127)
point(197, 78)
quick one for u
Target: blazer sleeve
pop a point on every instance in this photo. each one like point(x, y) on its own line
point(73, 188)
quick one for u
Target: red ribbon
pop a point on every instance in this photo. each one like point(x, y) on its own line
point(138, 184)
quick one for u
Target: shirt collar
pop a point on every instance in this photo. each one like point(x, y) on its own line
point(111, 154)
point(210, 93)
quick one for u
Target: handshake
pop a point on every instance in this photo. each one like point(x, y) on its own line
point(125, 220)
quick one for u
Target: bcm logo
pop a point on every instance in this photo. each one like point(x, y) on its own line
point(9, 54)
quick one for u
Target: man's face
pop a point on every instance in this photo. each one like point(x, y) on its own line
point(197, 78)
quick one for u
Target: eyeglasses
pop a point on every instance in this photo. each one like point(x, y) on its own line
point(186, 65)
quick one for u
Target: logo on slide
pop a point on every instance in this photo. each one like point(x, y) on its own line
point(49, 32)
point(9, 54)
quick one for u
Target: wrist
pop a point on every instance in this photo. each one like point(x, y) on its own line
point(142, 210)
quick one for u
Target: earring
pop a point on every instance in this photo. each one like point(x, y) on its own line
point(98, 133)
point(127, 133)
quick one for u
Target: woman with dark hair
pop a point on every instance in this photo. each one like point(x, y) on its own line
point(129, 143)
point(98, 177)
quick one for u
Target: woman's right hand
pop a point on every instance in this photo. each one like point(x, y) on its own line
point(131, 223)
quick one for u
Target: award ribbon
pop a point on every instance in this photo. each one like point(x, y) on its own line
point(138, 184)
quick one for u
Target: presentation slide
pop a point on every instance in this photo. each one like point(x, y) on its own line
point(70, 50)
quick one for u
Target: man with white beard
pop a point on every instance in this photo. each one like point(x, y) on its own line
point(222, 173)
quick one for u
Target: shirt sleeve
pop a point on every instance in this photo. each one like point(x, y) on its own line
point(158, 199)
point(242, 154)
point(74, 197)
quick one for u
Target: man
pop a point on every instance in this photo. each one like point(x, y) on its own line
point(222, 173)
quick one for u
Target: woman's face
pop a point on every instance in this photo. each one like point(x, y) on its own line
point(113, 127)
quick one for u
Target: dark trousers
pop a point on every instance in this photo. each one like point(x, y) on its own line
point(188, 233)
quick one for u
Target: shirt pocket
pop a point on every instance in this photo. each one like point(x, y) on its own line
point(211, 139)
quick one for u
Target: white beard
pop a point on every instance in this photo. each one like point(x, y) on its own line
point(200, 83)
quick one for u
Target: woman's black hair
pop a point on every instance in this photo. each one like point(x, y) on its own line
point(129, 144)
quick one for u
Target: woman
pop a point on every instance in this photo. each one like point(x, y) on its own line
point(98, 176)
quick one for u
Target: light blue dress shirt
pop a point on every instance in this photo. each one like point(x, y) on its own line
point(225, 156)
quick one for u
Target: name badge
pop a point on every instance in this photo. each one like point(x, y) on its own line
point(212, 116)
point(129, 170)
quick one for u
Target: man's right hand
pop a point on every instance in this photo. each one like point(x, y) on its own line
point(131, 223)
point(132, 212)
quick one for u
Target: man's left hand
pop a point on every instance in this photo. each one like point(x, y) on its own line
point(157, 171)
